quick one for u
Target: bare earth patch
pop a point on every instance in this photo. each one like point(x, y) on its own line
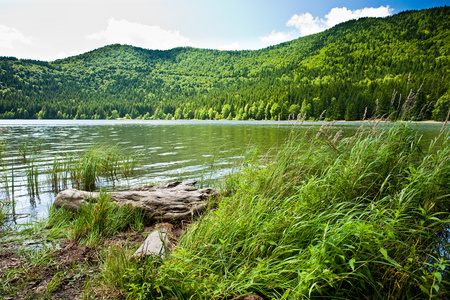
point(63, 275)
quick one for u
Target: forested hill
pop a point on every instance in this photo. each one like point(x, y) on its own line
point(342, 70)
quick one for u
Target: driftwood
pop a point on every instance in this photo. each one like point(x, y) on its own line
point(170, 202)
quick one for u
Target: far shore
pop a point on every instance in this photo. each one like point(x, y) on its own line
point(222, 120)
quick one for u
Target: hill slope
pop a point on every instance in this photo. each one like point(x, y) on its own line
point(342, 70)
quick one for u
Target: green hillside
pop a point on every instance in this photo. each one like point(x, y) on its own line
point(342, 70)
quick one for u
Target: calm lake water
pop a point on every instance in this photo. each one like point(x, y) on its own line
point(169, 150)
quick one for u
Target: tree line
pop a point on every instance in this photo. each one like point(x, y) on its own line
point(359, 68)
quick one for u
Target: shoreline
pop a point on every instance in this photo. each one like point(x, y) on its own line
point(31, 121)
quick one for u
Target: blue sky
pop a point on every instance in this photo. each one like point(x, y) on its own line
point(52, 29)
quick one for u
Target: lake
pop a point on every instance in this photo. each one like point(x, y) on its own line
point(167, 150)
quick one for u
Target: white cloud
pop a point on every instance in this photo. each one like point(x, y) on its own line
point(11, 38)
point(276, 37)
point(307, 24)
point(338, 15)
point(136, 34)
point(63, 54)
point(232, 46)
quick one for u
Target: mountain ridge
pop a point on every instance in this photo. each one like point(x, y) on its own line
point(342, 70)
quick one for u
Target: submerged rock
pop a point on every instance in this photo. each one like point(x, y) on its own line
point(170, 202)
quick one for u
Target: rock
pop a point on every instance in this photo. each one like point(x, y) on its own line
point(170, 202)
point(72, 199)
point(157, 243)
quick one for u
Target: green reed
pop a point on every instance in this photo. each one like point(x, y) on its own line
point(4, 182)
point(23, 150)
point(128, 164)
point(27, 156)
point(12, 200)
point(32, 179)
point(86, 169)
point(7, 204)
point(3, 213)
point(325, 218)
point(134, 276)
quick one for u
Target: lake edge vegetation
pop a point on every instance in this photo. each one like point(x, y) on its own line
point(332, 219)
point(326, 217)
point(87, 169)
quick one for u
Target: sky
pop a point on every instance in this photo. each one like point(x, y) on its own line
point(53, 29)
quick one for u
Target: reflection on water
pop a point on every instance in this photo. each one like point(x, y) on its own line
point(169, 150)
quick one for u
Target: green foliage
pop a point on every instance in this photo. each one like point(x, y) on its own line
point(54, 283)
point(342, 70)
point(4, 209)
point(5, 204)
point(99, 219)
point(442, 107)
point(366, 215)
point(134, 276)
point(87, 168)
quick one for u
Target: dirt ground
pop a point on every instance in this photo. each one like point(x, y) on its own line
point(65, 271)
point(60, 274)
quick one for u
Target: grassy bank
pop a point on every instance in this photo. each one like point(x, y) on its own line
point(361, 217)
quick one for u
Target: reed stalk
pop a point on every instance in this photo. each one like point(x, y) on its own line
point(3, 214)
point(32, 179)
point(12, 200)
point(86, 170)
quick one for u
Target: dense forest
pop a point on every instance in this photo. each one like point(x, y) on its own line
point(370, 63)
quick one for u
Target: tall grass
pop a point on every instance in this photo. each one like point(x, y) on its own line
point(364, 217)
point(87, 169)
point(3, 202)
point(7, 200)
point(32, 179)
point(131, 277)
point(99, 219)
point(3, 214)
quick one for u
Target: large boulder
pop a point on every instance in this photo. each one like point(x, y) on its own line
point(170, 202)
